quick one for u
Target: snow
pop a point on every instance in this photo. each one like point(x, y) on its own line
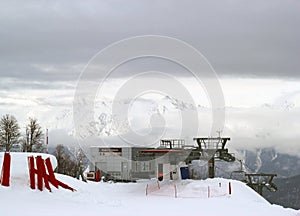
point(258, 160)
point(95, 198)
point(19, 165)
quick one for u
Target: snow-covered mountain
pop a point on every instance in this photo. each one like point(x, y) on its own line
point(269, 160)
point(175, 117)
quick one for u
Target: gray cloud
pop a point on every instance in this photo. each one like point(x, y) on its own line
point(44, 45)
point(239, 38)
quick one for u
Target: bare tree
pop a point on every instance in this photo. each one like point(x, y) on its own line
point(34, 137)
point(62, 158)
point(9, 131)
point(65, 162)
point(80, 160)
point(69, 163)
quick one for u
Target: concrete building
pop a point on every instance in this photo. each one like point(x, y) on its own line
point(132, 163)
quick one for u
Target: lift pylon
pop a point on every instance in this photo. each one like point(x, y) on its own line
point(212, 148)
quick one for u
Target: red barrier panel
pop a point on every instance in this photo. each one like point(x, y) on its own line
point(5, 174)
point(39, 172)
point(45, 176)
point(32, 172)
point(42, 176)
point(65, 186)
point(98, 176)
point(52, 178)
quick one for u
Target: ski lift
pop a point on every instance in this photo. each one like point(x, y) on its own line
point(258, 181)
point(240, 174)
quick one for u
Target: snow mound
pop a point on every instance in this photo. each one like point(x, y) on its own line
point(97, 198)
point(19, 172)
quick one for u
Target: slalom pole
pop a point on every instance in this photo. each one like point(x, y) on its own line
point(47, 140)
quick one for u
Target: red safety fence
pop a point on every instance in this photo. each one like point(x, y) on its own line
point(189, 191)
point(43, 177)
point(150, 188)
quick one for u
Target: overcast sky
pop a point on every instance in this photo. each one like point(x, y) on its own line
point(50, 40)
point(253, 46)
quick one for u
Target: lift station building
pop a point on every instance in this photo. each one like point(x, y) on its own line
point(168, 161)
point(133, 163)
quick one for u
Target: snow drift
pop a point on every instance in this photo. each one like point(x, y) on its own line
point(94, 198)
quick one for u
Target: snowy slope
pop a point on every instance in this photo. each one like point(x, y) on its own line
point(129, 199)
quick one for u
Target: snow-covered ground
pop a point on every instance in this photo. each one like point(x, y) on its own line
point(94, 198)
